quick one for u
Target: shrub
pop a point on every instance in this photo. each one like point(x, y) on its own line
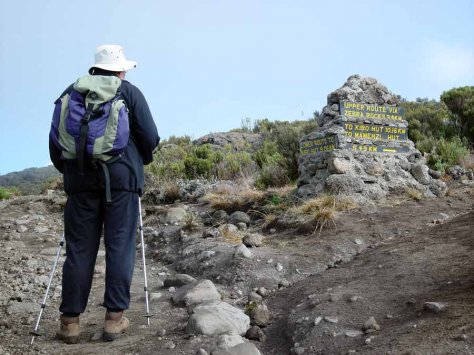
point(201, 162)
point(168, 163)
point(178, 140)
point(460, 102)
point(448, 153)
point(267, 154)
point(191, 221)
point(54, 183)
point(272, 175)
point(285, 139)
point(234, 164)
point(8, 192)
point(426, 145)
point(278, 199)
point(272, 165)
point(171, 190)
point(427, 118)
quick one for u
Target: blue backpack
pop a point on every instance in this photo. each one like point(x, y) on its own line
point(91, 122)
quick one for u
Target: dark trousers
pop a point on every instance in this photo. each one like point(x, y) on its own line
point(85, 215)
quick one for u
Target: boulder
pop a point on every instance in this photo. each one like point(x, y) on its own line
point(178, 280)
point(214, 318)
point(421, 174)
point(242, 251)
point(239, 216)
point(196, 293)
point(260, 315)
point(256, 333)
point(252, 240)
point(211, 233)
point(226, 341)
point(241, 349)
point(175, 215)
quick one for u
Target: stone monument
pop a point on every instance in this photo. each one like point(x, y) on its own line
point(361, 147)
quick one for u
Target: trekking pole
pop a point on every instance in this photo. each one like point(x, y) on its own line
point(35, 332)
point(140, 227)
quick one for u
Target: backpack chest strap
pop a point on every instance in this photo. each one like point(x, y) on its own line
point(84, 131)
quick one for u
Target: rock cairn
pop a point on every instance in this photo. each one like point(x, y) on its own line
point(362, 147)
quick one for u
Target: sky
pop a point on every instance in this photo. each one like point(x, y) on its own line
point(207, 65)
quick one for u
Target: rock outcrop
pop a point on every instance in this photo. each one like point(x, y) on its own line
point(238, 141)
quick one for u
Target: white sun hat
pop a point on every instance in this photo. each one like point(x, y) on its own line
point(111, 57)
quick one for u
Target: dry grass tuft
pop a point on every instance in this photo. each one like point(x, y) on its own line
point(323, 209)
point(468, 162)
point(171, 190)
point(231, 197)
point(283, 192)
point(446, 178)
point(414, 194)
point(230, 235)
point(324, 217)
point(336, 202)
point(191, 222)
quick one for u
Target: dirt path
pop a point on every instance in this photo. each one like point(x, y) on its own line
point(420, 262)
point(383, 262)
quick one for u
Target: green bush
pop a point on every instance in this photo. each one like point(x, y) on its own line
point(271, 175)
point(267, 154)
point(178, 140)
point(448, 153)
point(168, 163)
point(460, 102)
point(8, 192)
point(426, 144)
point(234, 164)
point(428, 118)
point(201, 162)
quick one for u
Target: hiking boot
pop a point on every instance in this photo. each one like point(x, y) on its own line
point(69, 330)
point(115, 324)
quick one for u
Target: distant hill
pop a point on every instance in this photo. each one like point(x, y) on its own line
point(29, 181)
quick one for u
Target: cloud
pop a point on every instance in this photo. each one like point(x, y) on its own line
point(448, 65)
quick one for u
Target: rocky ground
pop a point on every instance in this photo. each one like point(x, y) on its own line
point(389, 278)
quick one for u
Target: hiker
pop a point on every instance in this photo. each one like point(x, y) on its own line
point(102, 193)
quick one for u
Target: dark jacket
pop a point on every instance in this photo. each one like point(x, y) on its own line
point(126, 174)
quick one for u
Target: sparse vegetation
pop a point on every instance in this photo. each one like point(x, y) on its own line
point(442, 130)
point(232, 197)
point(437, 129)
point(28, 181)
point(191, 221)
point(6, 193)
point(460, 102)
point(448, 153)
point(230, 235)
point(414, 194)
point(171, 190)
point(322, 210)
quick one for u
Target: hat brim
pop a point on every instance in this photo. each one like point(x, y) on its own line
point(116, 67)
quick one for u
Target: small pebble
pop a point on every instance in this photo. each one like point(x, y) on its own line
point(461, 337)
point(331, 319)
point(169, 345)
point(96, 336)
